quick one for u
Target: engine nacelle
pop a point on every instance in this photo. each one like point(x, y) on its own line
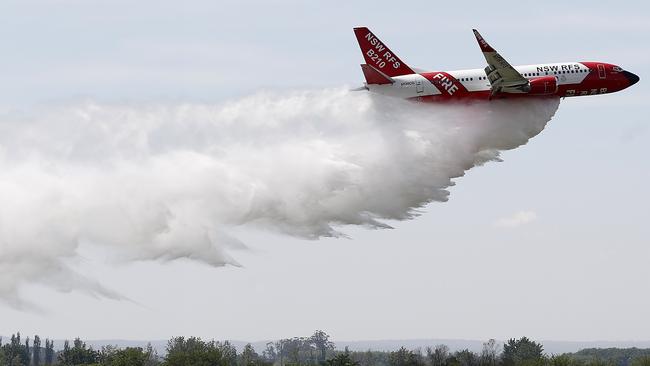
point(544, 85)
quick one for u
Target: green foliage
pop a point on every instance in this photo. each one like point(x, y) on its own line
point(79, 354)
point(196, 352)
point(371, 358)
point(522, 352)
point(15, 353)
point(641, 361)
point(36, 351)
point(600, 362)
point(249, 357)
point(301, 350)
point(438, 356)
point(489, 354)
point(49, 352)
point(564, 360)
point(405, 357)
point(130, 356)
point(321, 341)
point(466, 358)
point(314, 350)
point(269, 354)
point(342, 359)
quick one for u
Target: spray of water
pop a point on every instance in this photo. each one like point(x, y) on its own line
point(160, 182)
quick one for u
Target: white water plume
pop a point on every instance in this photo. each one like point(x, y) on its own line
point(168, 181)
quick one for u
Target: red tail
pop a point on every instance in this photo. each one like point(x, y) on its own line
point(378, 55)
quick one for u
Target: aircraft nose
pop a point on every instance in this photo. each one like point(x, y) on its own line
point(632, 78)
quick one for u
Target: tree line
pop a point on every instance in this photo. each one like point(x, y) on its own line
point(316, 349)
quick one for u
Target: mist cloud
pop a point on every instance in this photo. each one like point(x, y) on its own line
point(517, 219)
point(161, 182)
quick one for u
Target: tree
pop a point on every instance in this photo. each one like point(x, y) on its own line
point(367, 358)
point(321, 341)
point(249, 357)
point(293, 348)
point(404, 357)
point(49, 351)
point(466, 358)
point(129, 356)
point(15, 353)
point(36, 351)
point(295, 351)
point(228, 352)
point(490, 353)
point(269, 354)
point(280, 349)
point(27, 351)
point(152, 356)
point(342, 359)
point(438, 356)
point(195, 352)
point(79, 354)
point(523, 351)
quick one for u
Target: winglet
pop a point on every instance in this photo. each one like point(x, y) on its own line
point(485, 47)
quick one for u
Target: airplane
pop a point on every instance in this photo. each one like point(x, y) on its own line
point(387, 74)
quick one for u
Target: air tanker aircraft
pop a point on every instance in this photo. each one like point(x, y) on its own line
point(385, 73)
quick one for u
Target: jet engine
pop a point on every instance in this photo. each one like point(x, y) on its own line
point(542, 86)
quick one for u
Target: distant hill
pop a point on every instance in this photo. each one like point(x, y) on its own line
point(550, 347)
point(617, 356)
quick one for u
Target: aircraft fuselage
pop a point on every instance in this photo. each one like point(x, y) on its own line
point(572, 79)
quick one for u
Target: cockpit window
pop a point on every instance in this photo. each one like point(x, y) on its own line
point(617, 69)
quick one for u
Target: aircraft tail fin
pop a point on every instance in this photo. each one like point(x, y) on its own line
point(379, 56)
point(373, 76)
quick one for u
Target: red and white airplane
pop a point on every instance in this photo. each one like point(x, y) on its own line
point(387, 74)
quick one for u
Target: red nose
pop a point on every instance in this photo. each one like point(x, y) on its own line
point(631, 78)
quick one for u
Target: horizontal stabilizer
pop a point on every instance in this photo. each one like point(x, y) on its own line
point(373, 76)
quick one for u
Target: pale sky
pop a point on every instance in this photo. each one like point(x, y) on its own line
point(551, 243)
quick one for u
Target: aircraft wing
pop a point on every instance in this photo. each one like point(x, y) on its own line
point(502, 76)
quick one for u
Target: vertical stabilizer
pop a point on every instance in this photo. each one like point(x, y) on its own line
point(379, 56)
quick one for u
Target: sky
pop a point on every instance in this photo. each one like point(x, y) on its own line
point(551, 243)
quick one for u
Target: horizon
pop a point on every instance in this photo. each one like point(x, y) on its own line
point(202, 168)
point(381, 345)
